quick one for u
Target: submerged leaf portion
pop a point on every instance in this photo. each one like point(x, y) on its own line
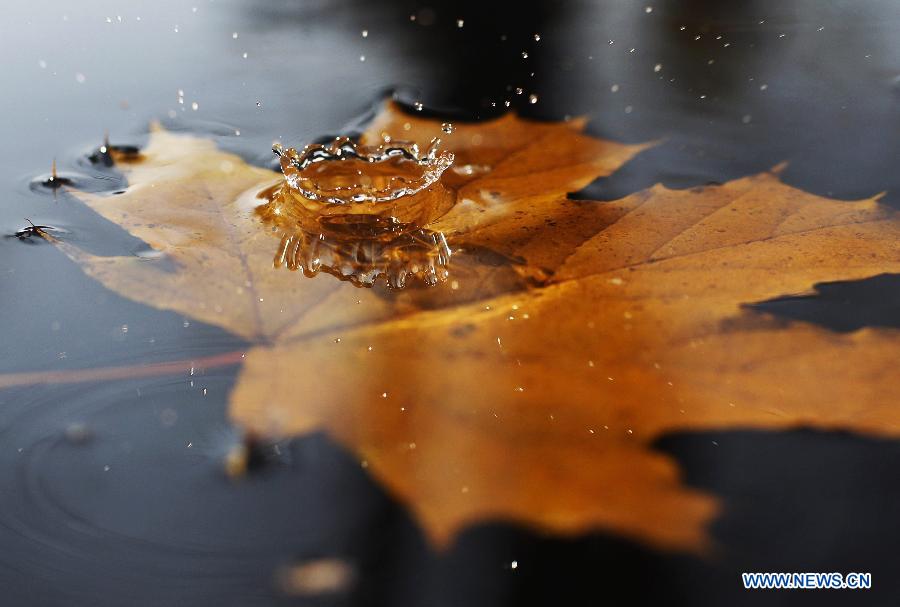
point(568, 337)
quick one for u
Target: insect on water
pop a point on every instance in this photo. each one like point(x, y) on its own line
point(32, 230)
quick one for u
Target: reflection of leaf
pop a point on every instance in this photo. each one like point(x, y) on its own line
point(534, 404)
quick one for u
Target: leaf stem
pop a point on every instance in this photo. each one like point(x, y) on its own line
point(9, 380)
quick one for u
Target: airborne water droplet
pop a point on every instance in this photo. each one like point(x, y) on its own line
point(447, 127)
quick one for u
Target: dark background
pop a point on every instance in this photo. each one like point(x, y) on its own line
point(813, 83)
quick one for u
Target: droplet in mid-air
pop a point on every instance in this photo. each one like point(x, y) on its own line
point(447, 127)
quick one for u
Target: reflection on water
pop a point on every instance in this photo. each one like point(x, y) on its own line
point(414, 253)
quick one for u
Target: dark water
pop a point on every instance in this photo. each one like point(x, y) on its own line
point(112, 493)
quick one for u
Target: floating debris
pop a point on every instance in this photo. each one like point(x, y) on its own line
point(78, 433)
point(316, 577)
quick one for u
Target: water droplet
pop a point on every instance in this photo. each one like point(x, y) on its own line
point(447, 127)
point(657, 67)
point(362, 57)
point(418, 105)
point(524, 54)
point(648, 10)
point(614, 88)
point(537, 37)
point(234, 35)
point(532, 98)
point(365, 33)
point(195, 106)
point(460, 23)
